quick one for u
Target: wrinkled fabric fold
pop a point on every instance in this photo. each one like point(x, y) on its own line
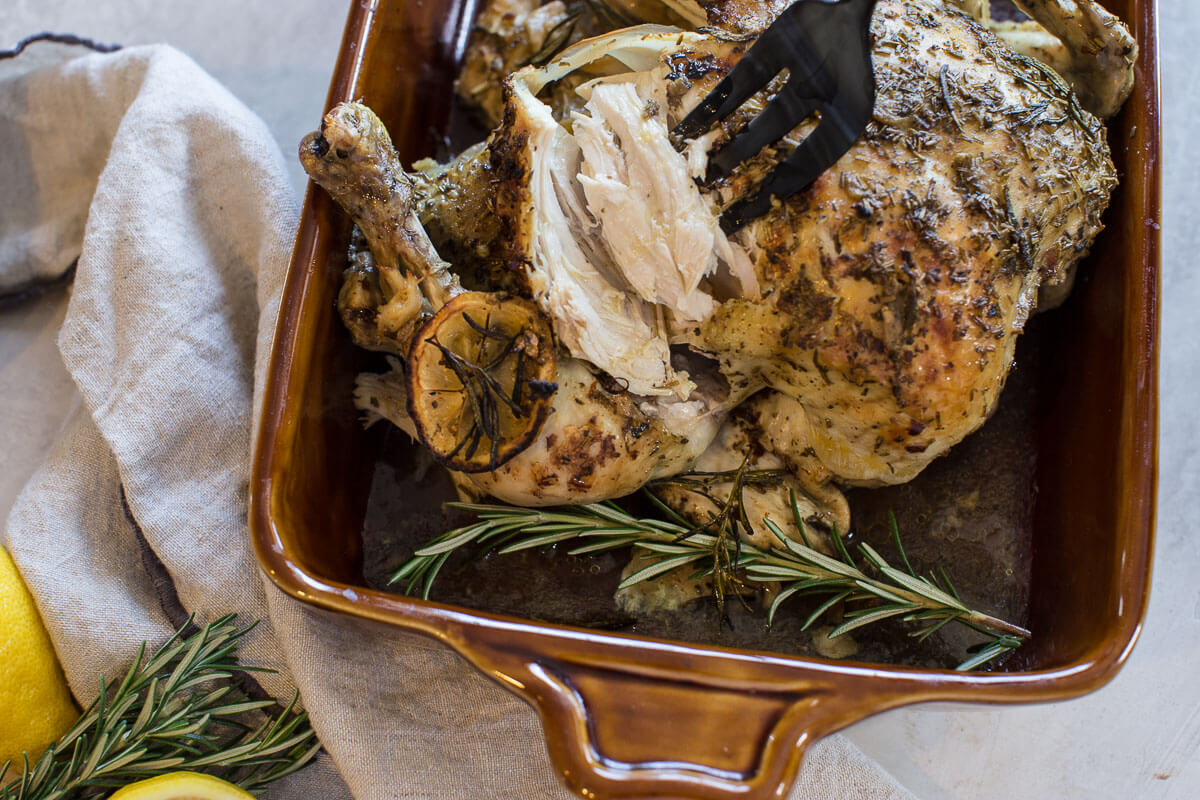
point(129, 165)
point(174, 200)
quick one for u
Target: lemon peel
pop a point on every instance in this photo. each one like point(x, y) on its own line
point(182, 786)
point(35, 704)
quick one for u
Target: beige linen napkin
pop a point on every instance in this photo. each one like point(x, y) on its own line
point(174, 200)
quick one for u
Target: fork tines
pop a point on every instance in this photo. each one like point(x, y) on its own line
point(824, 47)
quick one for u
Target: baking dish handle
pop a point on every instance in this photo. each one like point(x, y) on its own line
point(638, 732)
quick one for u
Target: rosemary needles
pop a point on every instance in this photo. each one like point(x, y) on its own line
point(875, 592)
point(178, 709)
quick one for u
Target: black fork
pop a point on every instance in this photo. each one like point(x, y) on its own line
point(824, 46)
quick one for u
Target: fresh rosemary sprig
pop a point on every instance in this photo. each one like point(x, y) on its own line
point(179, 709)
point(667, 544)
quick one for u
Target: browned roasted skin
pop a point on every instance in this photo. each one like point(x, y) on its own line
point(458, 205)
point(895, 287)
point(595, 445)
point(1093, 50)
point(743, 16)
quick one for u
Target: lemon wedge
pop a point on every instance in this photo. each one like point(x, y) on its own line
point(35, 703)
point(182, 786)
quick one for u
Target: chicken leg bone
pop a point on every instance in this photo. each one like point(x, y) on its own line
point(1102, 51)
point(352, 158)
point(1092, 49)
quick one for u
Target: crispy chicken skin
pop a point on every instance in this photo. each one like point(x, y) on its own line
point(1088, 45)
point(508, 34)
point(598, 442)
point(897, 283)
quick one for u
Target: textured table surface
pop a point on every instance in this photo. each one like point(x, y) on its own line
point(1138, 737)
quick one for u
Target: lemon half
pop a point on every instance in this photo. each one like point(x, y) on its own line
point(35, 703)
point(182, 786)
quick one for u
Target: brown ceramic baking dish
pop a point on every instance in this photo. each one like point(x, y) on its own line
point(608, 702)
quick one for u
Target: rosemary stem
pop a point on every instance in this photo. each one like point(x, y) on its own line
point(978, 618)
point(731, 560)
point(174, 710)
point(996, 624)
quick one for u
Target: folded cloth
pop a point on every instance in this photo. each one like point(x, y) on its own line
point(173, 199)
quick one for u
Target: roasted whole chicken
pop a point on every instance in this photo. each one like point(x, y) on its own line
point(852, 335)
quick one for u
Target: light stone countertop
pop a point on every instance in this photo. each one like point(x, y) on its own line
point(1139, 737)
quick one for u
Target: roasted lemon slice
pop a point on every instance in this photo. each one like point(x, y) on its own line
point(480, 377)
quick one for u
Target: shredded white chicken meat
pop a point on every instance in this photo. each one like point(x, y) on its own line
point(625, 243)
point(636, 182)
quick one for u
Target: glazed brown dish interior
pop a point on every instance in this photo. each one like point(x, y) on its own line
point(1094, 418)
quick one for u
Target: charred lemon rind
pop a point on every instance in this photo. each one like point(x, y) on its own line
point(480, 378)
